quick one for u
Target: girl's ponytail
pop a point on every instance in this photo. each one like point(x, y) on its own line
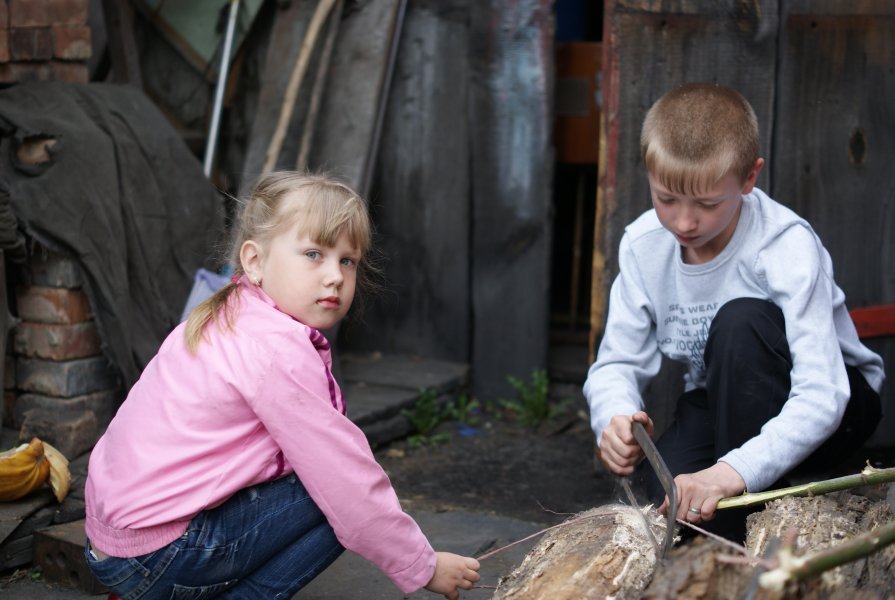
point(209, 311)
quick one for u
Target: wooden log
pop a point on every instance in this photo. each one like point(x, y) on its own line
point(609, 555)
point(604, 552)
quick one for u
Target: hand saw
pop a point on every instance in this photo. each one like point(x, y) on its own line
point(665, 478)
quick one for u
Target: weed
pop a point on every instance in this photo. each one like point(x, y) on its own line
point(533, 404)
point(424, 417)
point(464, 410)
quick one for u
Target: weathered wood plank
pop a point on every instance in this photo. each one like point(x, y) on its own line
point(286, 36)
point(347, 128)
point(834, 143)
point(420, 193)
point(511, 53)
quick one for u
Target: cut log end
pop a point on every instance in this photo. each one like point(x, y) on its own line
point(603, 552)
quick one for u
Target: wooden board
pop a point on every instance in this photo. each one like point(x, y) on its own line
point(511, 53)
point(345, 139)
point(287, 32)
point(419, 195)
point(834, 142)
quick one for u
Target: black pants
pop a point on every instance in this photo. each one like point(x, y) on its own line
point(748, 363)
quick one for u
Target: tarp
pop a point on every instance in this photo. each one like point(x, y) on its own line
point(120, 192)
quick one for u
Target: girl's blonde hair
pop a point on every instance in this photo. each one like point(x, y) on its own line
point(696, 134)
point(324, 208)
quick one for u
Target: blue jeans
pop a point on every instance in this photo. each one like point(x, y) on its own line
point(266, 541)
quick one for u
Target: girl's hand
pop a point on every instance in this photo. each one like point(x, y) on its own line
point(452, 572)
point(619, 450)
point(702, 490)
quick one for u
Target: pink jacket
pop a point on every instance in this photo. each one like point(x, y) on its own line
point(252, 405)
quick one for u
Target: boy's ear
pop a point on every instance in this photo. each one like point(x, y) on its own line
point(251, 258)
point(753, 176)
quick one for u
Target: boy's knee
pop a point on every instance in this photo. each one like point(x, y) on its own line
point(745, 314)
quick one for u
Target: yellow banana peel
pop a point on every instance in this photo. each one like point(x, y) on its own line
point(27, 467)
point(60, 476)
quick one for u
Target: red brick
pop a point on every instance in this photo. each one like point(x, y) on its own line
point(4, 45)
point(40, 304)
point(29, 13)
point(25, 71)
point(33, 43)
point(71, 42)
point(57, 342)
point(68, 12)
point(71, 72)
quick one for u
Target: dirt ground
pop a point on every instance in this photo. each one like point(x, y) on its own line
point(538, 474)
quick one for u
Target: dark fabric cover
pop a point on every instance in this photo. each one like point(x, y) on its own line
point(122, 194)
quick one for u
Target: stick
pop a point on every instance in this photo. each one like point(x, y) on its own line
point(298, 72)
point(317, 90)
point(543, 531)
point(792, 567)
point(868, 476)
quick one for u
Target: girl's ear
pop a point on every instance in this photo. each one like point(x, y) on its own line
point(251, 257)
point(753, 176)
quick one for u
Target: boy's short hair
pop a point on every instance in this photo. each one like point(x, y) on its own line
point(696, 134)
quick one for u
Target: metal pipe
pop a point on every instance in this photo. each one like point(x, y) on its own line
point(219, 91)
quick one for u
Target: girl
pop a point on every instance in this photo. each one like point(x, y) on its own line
point(231, 469)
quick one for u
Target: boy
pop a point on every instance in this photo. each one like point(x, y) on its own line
point(724, 279)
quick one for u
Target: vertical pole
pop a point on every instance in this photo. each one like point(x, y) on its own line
point(219, 91)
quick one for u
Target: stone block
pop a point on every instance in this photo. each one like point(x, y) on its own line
point(65, 379)
point(102, 404)
point(41, 304)
point(72, 437)
point(57, 342)
point(71, 42)
point(55, 270)
point(59, 551)
point(33, 43)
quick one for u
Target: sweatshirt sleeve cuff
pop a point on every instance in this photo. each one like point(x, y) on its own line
point(418, 574)
point(754, 482)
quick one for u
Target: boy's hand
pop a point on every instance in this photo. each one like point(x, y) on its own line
point(619, 450)
point(702, 490)
point(451, 572)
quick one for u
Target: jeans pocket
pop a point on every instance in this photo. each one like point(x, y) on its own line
point(182, 592)
point(112, 572)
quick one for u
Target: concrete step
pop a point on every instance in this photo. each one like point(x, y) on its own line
point(378, 387)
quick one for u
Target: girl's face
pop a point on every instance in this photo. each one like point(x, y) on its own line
point(310, 282)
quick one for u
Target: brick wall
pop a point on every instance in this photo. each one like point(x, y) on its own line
point(63, 390)
point(44, 40)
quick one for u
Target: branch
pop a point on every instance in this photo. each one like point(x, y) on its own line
point(868, 476)
point(792, 567)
